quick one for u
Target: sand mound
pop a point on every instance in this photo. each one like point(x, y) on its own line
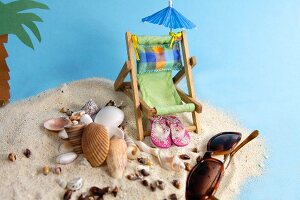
point(21, 128)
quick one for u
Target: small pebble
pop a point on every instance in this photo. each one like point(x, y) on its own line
point(160, 184)
point(27, 153)
point(115, 191)
point(173, 197)
point(97, 191)
point(176, 184)
point(145, 161)
point(195, 150)
point(12, 157)
point(132, 177)
point(153, 187)
point(145, 183)
point(184, 157)
point(68, 195)
point(188, 166)
point(144, 172)
point(46, 170)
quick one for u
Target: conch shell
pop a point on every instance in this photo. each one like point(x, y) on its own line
point(132, 150)
point(166, 162)
point(145, 148)
point(171, 163)
point(117, 157)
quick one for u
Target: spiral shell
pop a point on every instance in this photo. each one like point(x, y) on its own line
point(95, 144)
point(132, 150)
point(75, 133)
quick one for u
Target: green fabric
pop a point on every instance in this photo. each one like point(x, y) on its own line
point(158, 91)
point(150, 40)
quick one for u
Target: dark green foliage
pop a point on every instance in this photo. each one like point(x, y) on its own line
point(13, 19)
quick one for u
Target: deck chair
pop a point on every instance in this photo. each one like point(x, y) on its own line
point(152, 88)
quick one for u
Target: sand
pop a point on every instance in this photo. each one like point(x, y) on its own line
point(21, 128)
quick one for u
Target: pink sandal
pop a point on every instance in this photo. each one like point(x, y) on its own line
point(160, 133)
point(180, 136)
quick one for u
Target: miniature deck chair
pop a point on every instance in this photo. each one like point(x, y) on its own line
point(156, 57)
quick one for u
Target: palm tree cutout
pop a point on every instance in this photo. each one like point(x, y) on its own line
point(13, 20)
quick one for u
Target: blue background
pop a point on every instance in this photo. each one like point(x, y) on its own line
point(248, 65)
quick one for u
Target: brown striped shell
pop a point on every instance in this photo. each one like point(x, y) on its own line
point(95, 144)
point(75, 134)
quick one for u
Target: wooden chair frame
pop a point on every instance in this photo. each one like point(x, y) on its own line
point(132, 91)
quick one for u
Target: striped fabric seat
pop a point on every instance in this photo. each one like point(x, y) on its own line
point(158, 56)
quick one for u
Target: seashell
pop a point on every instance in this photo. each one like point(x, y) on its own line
point(65, 147)
point(66, 158)
point(12, 157)
point(75, 184)
point(63, 134)
point(110, 116)
point(86, 119)
point(62, 183)
point(90, 108)
point(56, 124)
point(132, 150)
point(95, 143)
point(46, 170)
point(117, 157)
point(171, 163)
point(145, 148)
point(77, 115)
point(114, 131)
point(75, 122)
point(75, 134)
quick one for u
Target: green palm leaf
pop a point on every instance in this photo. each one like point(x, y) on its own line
point(23, 36)
point(34, 29)
point(21, 5)
point(12, 21)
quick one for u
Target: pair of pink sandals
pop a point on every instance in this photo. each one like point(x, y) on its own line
point(168, 130)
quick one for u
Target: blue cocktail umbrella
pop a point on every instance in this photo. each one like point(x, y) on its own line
point(169, 17)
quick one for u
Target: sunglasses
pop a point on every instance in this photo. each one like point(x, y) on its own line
point(204, 178)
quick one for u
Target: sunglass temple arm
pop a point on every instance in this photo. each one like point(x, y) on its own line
point(253, 135)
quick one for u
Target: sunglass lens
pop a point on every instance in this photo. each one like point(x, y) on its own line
point(203, 179)
point(224, 141)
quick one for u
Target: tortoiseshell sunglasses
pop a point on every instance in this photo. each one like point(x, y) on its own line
point(204, 178)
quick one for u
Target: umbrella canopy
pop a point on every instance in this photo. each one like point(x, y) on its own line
point(169, 17)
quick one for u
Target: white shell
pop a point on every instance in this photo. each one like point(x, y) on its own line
point(110, 116)
point(171, 163)
point(75, 184)
point(86, 119)
point(63, 134)
point(62, 183)
point(66, 158)
point(114, 131)
point(145, 148)
point(132, 150)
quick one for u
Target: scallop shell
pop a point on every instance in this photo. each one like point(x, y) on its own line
point(95, 144)
point(75, 135)
point(132, 150)
point(56, 124)
point(117, 157)
point(110, 116)
point(75, 184)
point(66, 158)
